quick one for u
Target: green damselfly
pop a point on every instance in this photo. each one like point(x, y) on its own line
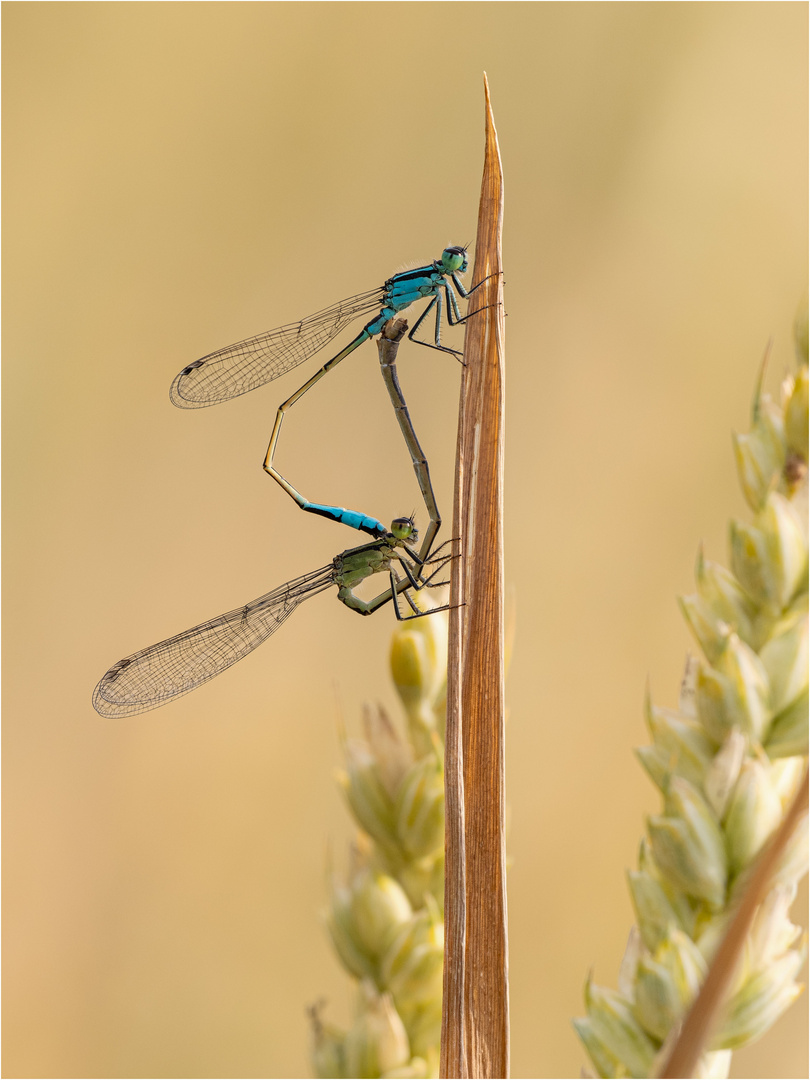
point(161, 673)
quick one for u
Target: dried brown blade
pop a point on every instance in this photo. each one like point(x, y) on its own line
point(475, 1023)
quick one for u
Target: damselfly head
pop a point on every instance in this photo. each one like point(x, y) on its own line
point(404, 529)
point(454, 260)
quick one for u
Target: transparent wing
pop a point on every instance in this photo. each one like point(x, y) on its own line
point(258, 360)
point(165, 671)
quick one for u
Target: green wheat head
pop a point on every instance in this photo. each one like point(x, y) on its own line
point(385, 920)
point(727, 762)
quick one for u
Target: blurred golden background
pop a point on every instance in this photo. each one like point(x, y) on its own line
point(182, 175)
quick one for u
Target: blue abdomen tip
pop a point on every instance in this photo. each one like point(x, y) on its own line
point(353, 518)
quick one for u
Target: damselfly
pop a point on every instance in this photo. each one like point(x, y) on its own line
point(248, 364)
point(157, 675)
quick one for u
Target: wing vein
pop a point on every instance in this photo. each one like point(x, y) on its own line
point(153, 676)
point(251, 363)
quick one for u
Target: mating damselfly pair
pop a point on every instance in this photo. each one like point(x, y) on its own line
point(165, 671)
